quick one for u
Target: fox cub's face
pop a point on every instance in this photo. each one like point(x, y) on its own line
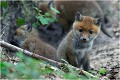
point(22, 33)
point(86, 28)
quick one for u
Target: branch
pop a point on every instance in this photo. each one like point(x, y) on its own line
point(14, 48)
point(31, 54)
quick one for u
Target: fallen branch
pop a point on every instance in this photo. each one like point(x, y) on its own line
point(14, 48)
point(31, 54)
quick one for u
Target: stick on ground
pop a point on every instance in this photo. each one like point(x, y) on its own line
point(31, 54)
point(15, 48)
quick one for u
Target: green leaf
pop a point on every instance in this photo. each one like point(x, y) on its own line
point(47, 14)
point(50, 19)
point(102, 71)
point(42, 20)
point(20, 21)
point(4, 4)
point(37, 9)
point(35, 24)
point(35, 73)
point(19, 54)
point(70, 76)
point(5, 66)
point(55, 10)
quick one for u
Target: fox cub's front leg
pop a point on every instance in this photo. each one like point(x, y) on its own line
point(80, 54)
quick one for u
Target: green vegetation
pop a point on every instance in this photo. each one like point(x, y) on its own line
point(3, 4)
point(29, 68)
point(44, 18)
point(102, 71)
point(20, 21)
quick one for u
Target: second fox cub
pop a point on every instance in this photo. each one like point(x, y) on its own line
point(27, 38)
point(75, 46)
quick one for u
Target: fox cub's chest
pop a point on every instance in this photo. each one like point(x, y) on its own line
point(81, 45)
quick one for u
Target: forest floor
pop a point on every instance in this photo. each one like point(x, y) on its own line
point(106, 54)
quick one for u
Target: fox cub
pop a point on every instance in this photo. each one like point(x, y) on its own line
point(75, 46)
point(27, 38)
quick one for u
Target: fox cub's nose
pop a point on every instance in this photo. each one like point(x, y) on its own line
point(85, 38)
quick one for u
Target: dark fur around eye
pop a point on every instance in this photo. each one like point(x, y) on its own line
point(80, 30)
point(90, 32)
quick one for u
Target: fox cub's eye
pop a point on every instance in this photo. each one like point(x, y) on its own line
point(90, 32)
point(80, 30)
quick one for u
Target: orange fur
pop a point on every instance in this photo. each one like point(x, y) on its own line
point(86, 24)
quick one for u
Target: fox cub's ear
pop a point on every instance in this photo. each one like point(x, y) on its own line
point(78, 16)
point(98, 21)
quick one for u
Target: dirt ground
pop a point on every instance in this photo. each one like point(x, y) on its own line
point(107, 55)
point(106, 51)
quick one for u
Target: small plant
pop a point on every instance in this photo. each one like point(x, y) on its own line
point(4, 9)
point(102, 71)
point(20, 21)
point(4, 4)
point(44, 18)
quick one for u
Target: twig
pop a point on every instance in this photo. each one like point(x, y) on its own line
point(7, 56)
point(2, 34)
point(12, 47)
point(5, 26)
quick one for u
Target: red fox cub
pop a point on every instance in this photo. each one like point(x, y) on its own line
point(27, 38)
point(75, 46)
